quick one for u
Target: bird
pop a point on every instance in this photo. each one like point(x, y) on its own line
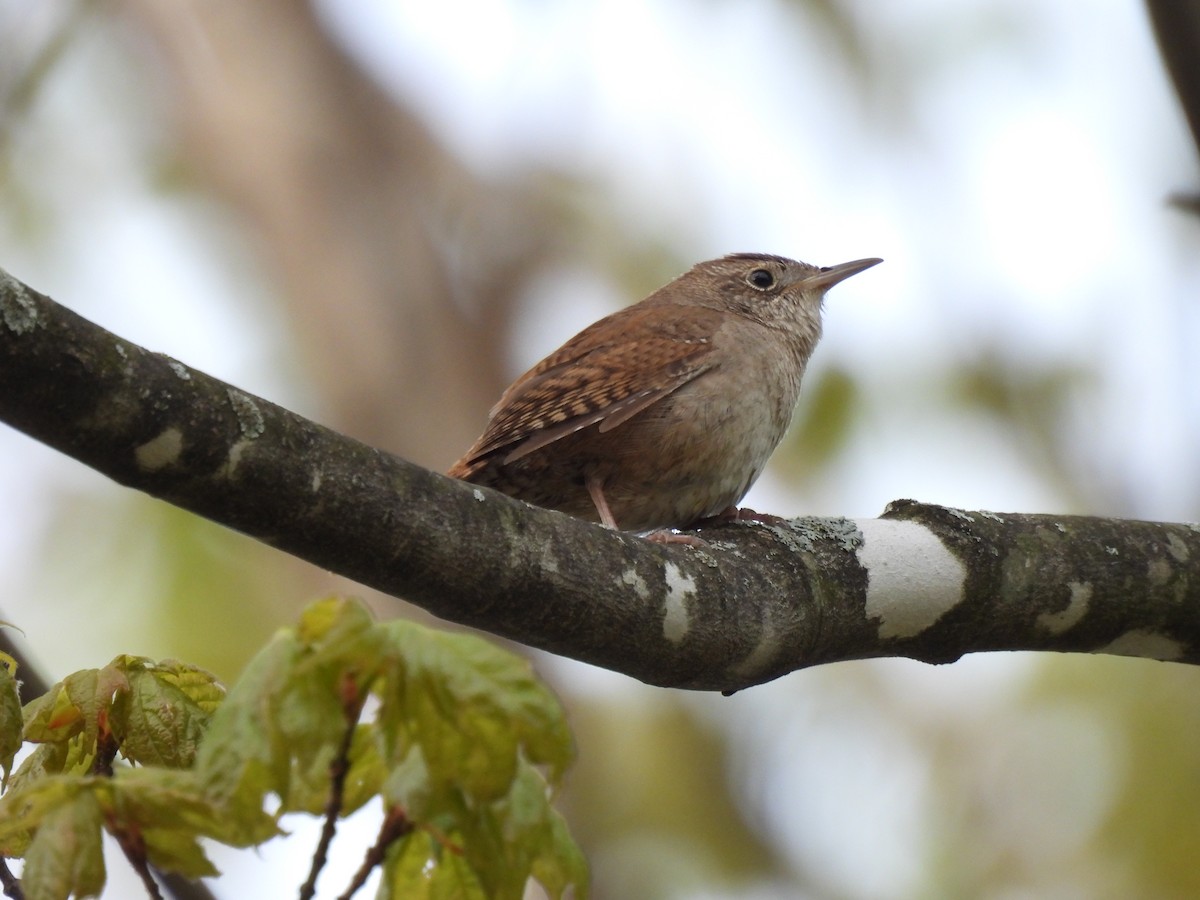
point(663, 414)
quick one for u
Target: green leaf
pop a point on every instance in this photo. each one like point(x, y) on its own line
point(470, 705)
point(309, 789)
point(417, 868)
point(310, 716)
point(171, 812)
point(52, 717)
point(277, 730)
point(92, 691)
point(453, 878)
point(65, 857)
point(340, 639)
point(60, 757)
point(244, 757)
point(12, 725)
point(172, 850)
point(558, 862)
point(78, 704)
point(155, 722)
point(55, 824)
point(464, 739)
point(333, 621)
point(408, 787)
point(338, 660)
point(199, 685)
point(523, 835)
point(407, 873)
point(365, 780)
point(504, 842)
point(280, 724)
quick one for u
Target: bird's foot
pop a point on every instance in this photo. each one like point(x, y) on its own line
point(666, 536)
point(730, 514)
point(742, 514)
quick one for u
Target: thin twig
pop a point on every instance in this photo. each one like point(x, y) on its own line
point(1188, 202)
point(180, 888)
point(106, 752)
point(339, 768)
point(395, 826)
point(10, 882)
point(134, 848)
point(129, 839)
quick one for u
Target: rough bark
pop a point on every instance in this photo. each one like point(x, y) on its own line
point(922, 581)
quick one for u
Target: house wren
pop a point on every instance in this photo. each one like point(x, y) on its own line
point(664, 413)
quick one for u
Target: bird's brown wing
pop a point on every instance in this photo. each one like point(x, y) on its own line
point(607, 373)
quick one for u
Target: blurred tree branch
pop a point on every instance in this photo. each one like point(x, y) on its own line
point(925, 582)
point(1177, 30)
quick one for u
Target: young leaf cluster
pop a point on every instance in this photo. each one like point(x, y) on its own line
point(457, 740)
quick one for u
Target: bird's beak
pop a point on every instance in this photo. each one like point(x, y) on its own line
point(828, 276)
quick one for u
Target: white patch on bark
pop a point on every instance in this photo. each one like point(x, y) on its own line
point(180, 370)
point(1159, 571)
point(235, 457)
point(17, 308)
point(680, 587)
point(478, 495)
point(763, 654)
point(637, 582)
point(249, 416)
point(1077, 607)
point(161, 451)
point(1177, 548)
point(1146, 644)
point(912, 577)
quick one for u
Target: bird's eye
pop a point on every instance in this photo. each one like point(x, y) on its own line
point(761, 279)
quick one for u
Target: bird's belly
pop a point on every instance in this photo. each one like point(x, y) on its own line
point(692, 456)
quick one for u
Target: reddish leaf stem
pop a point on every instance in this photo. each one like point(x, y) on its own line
point(395, 826)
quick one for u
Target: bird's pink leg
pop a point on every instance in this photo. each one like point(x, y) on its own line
point(596, 492)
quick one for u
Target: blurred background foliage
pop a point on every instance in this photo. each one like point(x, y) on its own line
point(378, 213)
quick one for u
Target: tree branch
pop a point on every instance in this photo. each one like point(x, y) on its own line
point(922, 581)
point(1176, 28)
